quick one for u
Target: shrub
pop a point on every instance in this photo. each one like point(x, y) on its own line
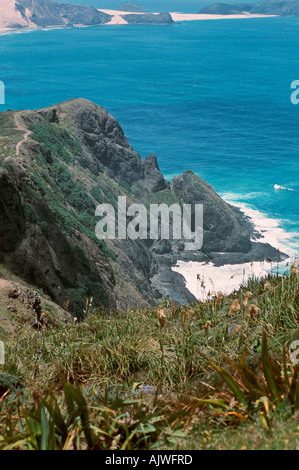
point(30, 214)
point(9, 382)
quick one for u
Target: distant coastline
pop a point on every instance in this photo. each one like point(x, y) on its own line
point(118, 17)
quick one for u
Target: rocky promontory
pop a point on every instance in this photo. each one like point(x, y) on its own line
point(57, 165)
point(148, 18)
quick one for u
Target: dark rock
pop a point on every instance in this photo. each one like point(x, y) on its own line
point(50, 115)
point(149, 18)
point(225, 229)
point(153, 178)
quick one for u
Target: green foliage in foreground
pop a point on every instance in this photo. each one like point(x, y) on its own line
point(214, 375)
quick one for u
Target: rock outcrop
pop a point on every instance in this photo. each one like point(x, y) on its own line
point(149, 18)
point(44, 13)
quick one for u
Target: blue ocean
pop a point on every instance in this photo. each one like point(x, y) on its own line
point(210, 96)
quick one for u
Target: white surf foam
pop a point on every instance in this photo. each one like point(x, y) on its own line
point(202, 279)
point(277, 187)
point(271, 229)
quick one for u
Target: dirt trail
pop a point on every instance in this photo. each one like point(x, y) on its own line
point(22, 128)
point(4, 284)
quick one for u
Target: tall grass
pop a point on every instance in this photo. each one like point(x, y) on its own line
point(155, 378)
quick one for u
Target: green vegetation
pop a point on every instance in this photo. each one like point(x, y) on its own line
point(55, 141)
point(30, 214)
point(214, 375)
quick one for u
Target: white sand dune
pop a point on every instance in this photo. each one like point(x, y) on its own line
point(117, 19)
point(10, 16)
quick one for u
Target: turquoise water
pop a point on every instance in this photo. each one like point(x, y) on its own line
point(211, 96)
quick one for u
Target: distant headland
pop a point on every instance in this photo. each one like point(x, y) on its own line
point(18, 15)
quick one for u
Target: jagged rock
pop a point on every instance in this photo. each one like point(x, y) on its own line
point(153, 178)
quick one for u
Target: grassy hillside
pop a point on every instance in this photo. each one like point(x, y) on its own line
point(209, 376)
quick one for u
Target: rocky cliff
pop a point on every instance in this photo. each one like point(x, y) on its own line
point(57, 165)
point(45, 13)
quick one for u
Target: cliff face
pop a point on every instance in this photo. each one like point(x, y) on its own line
point(57, 165)
point(45, 13)
point(278, 8)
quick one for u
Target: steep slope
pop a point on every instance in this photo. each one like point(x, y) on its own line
point(22, 303)
point(57, 165)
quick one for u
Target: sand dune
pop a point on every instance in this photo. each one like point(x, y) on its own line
point(9, 15)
